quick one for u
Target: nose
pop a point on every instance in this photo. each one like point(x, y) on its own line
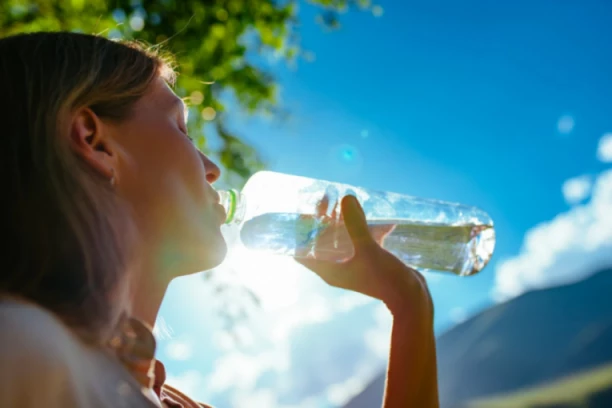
point(213, 172)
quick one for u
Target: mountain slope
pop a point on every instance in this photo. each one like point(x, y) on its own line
point(537, 338)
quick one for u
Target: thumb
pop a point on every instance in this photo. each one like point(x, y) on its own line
point(355, 222)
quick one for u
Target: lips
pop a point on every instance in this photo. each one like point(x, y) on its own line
point(222, 214)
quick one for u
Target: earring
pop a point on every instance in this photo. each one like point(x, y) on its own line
point(112, 180)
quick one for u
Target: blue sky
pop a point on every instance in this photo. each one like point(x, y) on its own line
point(501, 105)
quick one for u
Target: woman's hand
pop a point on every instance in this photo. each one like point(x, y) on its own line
point(372, 270)
point(411, 373)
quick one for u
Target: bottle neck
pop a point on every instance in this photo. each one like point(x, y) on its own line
point(235, 206)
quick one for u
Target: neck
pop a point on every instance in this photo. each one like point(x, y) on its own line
point(148, 293)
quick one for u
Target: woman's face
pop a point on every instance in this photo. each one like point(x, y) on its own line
point(167, 182)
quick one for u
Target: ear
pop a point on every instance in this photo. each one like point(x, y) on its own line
point(90, 139)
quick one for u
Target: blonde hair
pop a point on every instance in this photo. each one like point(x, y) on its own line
point(68, 234)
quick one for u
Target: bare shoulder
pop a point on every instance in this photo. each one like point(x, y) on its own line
point(42, 363)
point(34, 343)
point(37, 356)
point(29, 332)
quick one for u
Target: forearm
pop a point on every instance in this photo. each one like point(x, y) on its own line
point(412, 373)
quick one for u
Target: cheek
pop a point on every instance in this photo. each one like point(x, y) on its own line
point(162, 165)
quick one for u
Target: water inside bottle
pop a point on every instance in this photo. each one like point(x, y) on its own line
point(459, 249)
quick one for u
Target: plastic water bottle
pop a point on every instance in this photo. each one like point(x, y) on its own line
point(298, 216)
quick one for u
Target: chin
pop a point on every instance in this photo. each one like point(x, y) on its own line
point(214, 258)
point(208, 255)
point(200, 251)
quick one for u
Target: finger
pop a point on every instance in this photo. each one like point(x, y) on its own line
point(355, 222)
point(322, 205)
point(334, 213)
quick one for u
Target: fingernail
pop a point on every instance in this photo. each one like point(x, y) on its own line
point(350, 194)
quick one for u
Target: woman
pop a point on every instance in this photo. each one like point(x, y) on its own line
point(108, 201)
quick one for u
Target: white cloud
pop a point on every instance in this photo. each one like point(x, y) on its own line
point(604, 150)
point(338, 394)
point(565, 124)
point(313, 312)
point(568, 248)
point(260, 398)
point(179, 350)
point(311, 354)
point(266, 397)
point(304, 336)
point(291, 296)
point(190, 382)
point(576, 189)
point(278, 281)
point(241, 370)
point(352, 300)
point(223, 340)
point(378, 337)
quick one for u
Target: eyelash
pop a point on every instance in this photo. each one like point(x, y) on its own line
point(184, 130)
